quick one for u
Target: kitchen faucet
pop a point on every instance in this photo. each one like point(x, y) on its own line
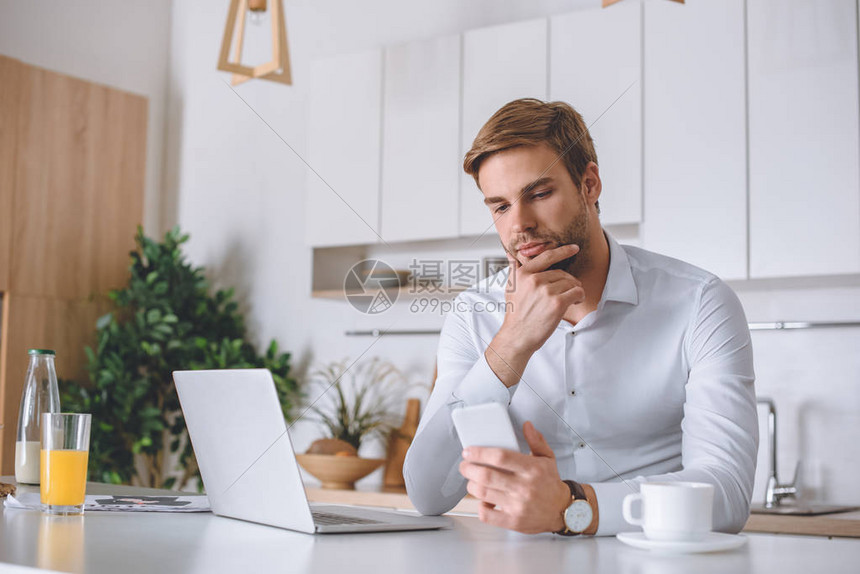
point(776, 492)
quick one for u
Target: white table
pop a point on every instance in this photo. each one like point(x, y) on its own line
point(126, 543)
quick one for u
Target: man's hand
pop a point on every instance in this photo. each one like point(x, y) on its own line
point(536, 299)
point(519, 491)
point(539, 296)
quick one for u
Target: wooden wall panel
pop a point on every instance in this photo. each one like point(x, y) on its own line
point(121, 168)
point(10, 71)
point(42, 323)
point(71, 198)
point(79, 185)
point(54, 189)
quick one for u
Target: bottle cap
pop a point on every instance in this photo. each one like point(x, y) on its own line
point(40, 352)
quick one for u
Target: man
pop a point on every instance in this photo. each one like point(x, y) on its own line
point(617, 365)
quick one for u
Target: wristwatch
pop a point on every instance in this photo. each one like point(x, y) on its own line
point(580, 516)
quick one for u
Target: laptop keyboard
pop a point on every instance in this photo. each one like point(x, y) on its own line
point(328, 519)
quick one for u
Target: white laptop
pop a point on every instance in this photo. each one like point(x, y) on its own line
point(247, 461)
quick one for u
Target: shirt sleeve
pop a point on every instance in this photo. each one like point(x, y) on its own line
point(720, 425)
point(433, 480)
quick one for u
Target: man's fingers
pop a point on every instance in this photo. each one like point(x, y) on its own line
point(554, 275)
point(562, 286)
point(494, 517)
point(499, 458)
point(574, 295)
point(537, 442)
point(490, 496)
point(550, 256)
point(487, 476)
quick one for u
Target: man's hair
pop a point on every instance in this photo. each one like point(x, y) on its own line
point(529, 121)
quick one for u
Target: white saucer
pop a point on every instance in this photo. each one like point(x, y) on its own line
point(714, 542)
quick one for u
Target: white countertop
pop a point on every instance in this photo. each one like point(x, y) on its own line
point(158, 542)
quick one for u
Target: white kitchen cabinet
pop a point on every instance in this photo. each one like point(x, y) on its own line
point(344, 149)
point(695, 160)
point(595, 65)
point(421, 164)
point(803, 137)
point(500, 64)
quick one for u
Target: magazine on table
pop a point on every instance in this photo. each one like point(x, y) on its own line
point(127, 503)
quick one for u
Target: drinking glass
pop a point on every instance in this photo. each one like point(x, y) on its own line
point(64, 456)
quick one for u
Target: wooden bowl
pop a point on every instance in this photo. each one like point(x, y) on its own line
point(338, 472)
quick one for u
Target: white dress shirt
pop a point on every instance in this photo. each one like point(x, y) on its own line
point(656, 384)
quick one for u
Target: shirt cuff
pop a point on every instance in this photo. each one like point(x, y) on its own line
point(610, 496)
point(481, 385)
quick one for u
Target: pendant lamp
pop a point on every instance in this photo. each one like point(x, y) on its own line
point(276, 70)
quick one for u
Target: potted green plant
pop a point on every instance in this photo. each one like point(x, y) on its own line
point(358, 401)
point(165, 319)
point(353, 402)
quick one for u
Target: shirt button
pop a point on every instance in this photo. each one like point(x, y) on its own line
point(573, 392)
point(582, 445)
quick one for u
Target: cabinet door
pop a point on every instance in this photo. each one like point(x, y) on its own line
point(695, 134)
point(420, 167)
point(803, 137)
point(10, 78)
point(595, 66)
point(500, 64)
point(344, 150)
point(80, 161)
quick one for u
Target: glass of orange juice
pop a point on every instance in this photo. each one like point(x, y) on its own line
point(63, 469)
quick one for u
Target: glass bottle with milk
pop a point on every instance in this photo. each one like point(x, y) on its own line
point(41, 395)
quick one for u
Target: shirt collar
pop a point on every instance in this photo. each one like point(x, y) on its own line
point(620, 285)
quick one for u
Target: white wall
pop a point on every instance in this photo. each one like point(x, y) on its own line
point(123, 45)
point(238, 190)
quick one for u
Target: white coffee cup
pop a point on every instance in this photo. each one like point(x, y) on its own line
point(673, 511)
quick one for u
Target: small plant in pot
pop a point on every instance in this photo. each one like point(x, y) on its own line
point(354, 402)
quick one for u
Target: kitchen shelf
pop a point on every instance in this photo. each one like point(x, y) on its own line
point(379, 333)
point(402, 294)
point(790, 325)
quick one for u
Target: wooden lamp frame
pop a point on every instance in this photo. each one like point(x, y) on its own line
point(278, 69)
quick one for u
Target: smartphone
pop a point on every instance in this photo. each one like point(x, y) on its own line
point(485, 425)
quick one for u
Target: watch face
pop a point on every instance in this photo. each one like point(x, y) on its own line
point(578, 516)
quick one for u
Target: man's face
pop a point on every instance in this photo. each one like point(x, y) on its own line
point(536, 208)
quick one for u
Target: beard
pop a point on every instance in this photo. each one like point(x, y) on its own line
point(576, 232)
